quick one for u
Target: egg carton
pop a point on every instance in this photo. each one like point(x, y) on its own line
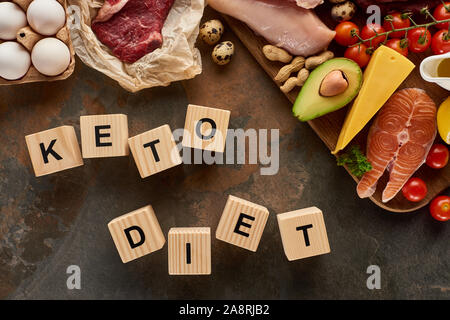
point(28, 38)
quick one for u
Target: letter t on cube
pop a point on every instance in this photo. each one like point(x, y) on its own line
point(303, 233)
point(136, 234)
point(242, 223)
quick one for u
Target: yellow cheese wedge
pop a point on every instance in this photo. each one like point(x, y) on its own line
point(386, 71)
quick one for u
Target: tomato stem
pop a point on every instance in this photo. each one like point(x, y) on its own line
point(414, 26)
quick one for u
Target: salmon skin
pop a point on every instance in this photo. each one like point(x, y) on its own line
point(399, 141)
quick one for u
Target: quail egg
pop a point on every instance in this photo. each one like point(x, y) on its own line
point(211, 31)
point(223, 53)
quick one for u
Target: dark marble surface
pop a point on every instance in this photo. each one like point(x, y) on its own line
point(49, 223)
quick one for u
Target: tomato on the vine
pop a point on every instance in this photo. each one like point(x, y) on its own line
point(401, 46)
point(419, 39)
point(440, 208)
point(358, 54)
point(399, 21)
point(415, 190)
point(344, 33)
point(440, 43)
point(437, 158)
point(442, 12)
point(371, 30)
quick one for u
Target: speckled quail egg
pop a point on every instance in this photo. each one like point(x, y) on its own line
point(14, 60)
point(50, 56)
point(211, 31)
point(223, 53)
point(12, 18)
point(343, 11)
point(46, 17)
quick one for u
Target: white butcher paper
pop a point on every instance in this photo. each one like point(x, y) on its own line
point(176, 60)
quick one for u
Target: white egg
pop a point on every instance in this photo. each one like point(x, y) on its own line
point(14, 60)
point(12, 18)
point(50, 56)
point(46, 17)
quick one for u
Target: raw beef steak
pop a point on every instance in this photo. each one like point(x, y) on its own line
point(131, 28)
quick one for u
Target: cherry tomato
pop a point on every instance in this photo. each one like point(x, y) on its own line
point(344, 33)
point(440, 43)
point(415, 190)
point(438, 156)
point(398, 45)
point(399, 21)
point(419, 39)
point(441, 13)
point(358, 54)
point(371, 30)
point(440, 208)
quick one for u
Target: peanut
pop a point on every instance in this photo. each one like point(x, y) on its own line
point(296, 65)
point(315, 61)
point(273, 53)
point(299, 81)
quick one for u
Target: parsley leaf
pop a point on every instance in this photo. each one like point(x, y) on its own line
point(355, 161)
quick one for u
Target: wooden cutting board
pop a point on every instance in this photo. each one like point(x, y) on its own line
point(328, 127)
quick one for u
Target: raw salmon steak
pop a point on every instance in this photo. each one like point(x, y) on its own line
point(399, 140)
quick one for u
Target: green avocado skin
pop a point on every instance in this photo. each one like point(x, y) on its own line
point(310, 104)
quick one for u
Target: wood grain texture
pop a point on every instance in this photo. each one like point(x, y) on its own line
point(221, 119)
point(189, 251)
point(243, 232)
point(33, 75)
point(165, 147)
point(115, 144)
point(296, 245)
point(63, 141)
point(328, 127)
point(146, 220)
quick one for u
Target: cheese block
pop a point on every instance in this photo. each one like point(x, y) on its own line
point(386, 71)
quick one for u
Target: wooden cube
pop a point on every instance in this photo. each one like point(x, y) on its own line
point(136, 234)
point(189, 251)
point(104, 135)
point(154, 151)
point(303, 233)
point(242, 223)
point(206, 128)
point(54, 150)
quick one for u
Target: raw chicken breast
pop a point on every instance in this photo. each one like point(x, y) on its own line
point(295, 29)
point(109, 8)
point(399, 140)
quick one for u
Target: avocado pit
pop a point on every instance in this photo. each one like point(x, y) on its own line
point(333, 83)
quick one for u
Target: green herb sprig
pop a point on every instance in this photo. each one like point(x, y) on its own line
point(355, 161)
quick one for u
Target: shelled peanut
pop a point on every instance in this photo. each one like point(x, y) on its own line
point(298, 64)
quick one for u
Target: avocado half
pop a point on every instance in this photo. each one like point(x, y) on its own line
point(310, 104)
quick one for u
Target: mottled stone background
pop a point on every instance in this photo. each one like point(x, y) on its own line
point(49, 223)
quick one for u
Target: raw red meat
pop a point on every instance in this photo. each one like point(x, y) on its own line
point(131, 28)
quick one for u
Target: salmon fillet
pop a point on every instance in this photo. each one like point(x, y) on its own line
point(399, 140)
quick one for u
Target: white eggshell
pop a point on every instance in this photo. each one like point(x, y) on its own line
point(14, 60)
point(12, 18)
point(46, 17)
point(50, 56)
